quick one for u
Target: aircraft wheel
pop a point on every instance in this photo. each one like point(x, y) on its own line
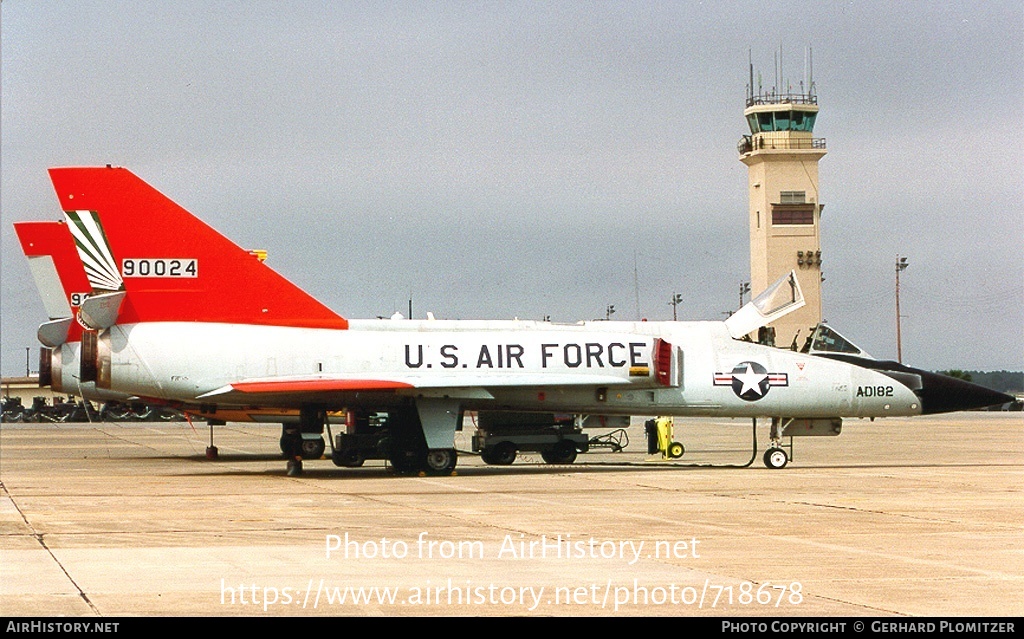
point(562, 453)
point(440, 461)
point(403, 462)
point(313, 448)
point(291, 444)
point(503, 454)
point(775, 458)
point(675, 450)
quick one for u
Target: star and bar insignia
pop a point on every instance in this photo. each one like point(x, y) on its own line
point(750, 380)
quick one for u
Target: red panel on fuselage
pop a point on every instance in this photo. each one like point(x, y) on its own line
point(318, 385)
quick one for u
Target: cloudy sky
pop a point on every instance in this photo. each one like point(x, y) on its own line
point(506, 159)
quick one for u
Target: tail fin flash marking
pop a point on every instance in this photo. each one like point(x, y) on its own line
point(133, 238)
point(94, 249)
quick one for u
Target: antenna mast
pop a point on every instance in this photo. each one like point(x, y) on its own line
point(636, 285)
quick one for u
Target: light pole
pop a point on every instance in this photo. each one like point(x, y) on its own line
point(608, 311)
point(677, 299)
point(744, 289)
point(901, 264)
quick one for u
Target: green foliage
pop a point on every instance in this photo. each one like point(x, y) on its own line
point(959, 374)
point(1002, 381)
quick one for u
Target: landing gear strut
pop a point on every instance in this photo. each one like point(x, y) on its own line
point(304, 442)
point(211, 450)
point(775, 457)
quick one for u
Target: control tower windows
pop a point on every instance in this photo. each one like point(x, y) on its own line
point(788, 120)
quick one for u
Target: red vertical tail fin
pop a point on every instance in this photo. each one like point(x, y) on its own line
point(57, 271)
point(171, 265)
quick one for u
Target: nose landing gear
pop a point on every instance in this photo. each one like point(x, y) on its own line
point(775, 457)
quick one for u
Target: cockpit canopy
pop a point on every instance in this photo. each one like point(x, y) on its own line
point(781, 298)
point(825, 339)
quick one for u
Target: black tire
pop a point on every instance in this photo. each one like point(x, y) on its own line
point(313, 448)
point(675, 450)
point(403, 462)
point(775, 458)
point(287, 445)
point(563, 453)
point(350, 458)
point(440, 461)
point(504, 454)
point(291, 442)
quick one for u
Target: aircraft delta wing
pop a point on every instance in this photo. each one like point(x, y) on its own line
point(180, 314)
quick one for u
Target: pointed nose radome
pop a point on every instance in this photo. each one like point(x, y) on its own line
point(944, 394)
point(938, 393)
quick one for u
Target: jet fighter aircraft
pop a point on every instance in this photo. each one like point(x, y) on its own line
point(179, 314)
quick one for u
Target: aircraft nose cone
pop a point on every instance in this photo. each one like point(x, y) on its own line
point(944, 394)
point(938, 393)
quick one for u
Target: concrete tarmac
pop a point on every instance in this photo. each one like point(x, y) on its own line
point(918, 516)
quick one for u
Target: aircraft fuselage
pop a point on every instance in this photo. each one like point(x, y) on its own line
point(595, 367)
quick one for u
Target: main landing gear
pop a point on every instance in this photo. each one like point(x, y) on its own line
point(304, 441)
point(309, 445)
point(436, 461)
point(410, 432)
point(440, 461)
point(415, 437)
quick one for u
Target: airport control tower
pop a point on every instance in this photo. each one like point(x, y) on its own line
point(782, 155)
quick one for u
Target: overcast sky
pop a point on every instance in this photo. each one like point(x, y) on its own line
point(502, 159)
